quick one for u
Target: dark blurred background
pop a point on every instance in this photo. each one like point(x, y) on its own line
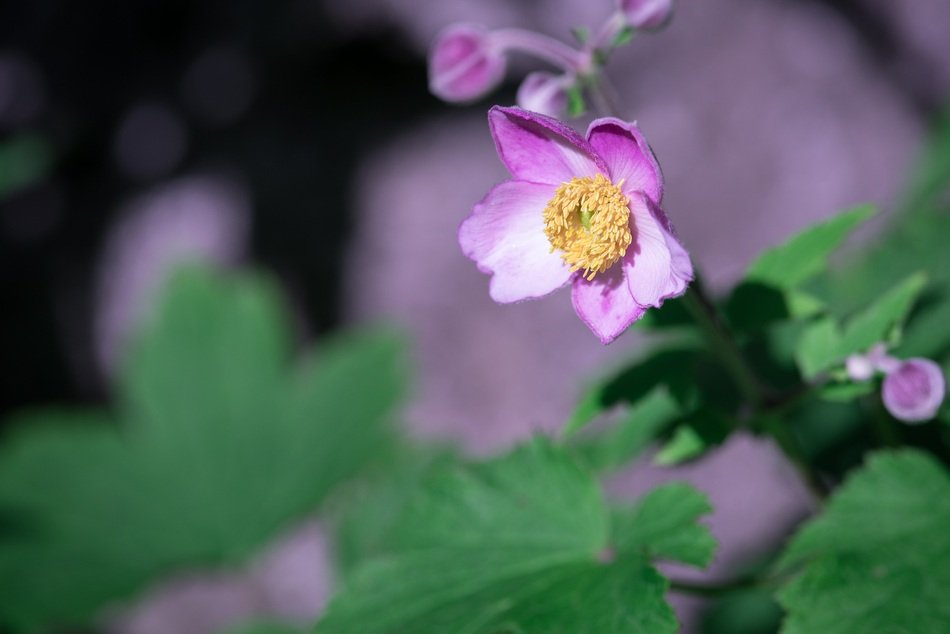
point(101, 102)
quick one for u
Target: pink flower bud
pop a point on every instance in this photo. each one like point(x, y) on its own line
point(464, 64)
point(648, 15)
point(544, 93)
point(859, 367)
point(914, 390)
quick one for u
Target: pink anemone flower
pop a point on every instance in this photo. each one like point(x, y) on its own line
point(580, 211)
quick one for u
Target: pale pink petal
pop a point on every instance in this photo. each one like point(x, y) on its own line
point(681, 264)
point(505, 237)
point(605, 304)
point(540, 149)
point(628, 156)
point(656, 266)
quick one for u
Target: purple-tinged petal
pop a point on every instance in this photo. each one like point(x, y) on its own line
point(623, 148)
point(681, 266)
point(505, 236)
point(545, 93)
point(656, 265)
point(648, 15)
point(540, 149)
point(605, 304)
point(463, 64)
point(914, 391)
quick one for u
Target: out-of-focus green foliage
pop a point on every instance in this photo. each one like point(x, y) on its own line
point(805, 255)
point(365, 511)
point(524, 543)
point(630, 435)
point(218, 444)
point(824, 343)
point(24, 160)
point(878, 558)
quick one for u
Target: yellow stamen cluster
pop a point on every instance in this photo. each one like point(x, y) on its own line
point(588, 220)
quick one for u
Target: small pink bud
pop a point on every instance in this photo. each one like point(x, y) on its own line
point(464, 64)
point(648, 15)
point(544, 93)
point(914, 390)
point(859, 367)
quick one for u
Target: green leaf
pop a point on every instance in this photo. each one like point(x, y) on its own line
point(367, 510)
point(673, 316)
point(697, 433)
point(878, 558)
point(823, 344)
point(748, 611)
point(818, 347)
point(664, 524)
point(927, 335)
point(624, 36)
point(685, 444)
point(882, 320)
point(844, 392)
point(523, 543)
point(581, 34)
point(219, 445)
point(806, 255)
point(671, 368)
point(576, 106)
point(627, 439)
point(753, 306)
point(930, 176)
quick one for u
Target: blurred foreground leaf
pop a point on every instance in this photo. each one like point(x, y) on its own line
point(220, 445)
point(629, 436)
point(878, 558)
point(524, 543)
point(24, 161)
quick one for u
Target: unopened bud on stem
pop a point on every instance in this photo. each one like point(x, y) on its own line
point(648, 15)
point(464, 63)
point(545, 93)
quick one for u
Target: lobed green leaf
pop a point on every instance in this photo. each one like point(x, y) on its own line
point(878, 558)
point(524, 543)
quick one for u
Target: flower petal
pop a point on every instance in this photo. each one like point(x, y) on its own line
point(623, 148)
point(656, 265)
point(605, 304)
point(540, 149)
point(914, 391)
point(505, 237)
point(463, 65)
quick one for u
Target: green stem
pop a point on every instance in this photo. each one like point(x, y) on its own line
point(722, 343)
point(755, 393)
